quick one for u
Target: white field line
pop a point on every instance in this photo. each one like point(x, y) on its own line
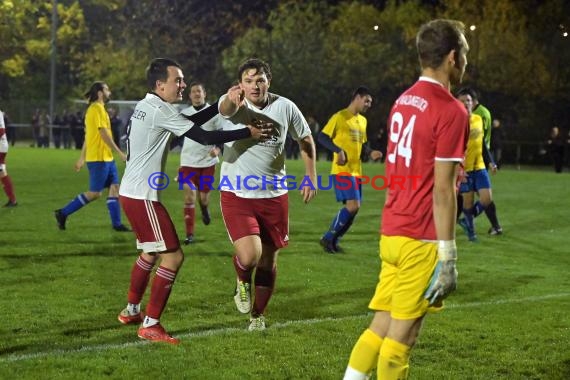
point(197, 334)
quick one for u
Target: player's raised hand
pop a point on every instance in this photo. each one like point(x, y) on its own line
point(444, 278)
point(236, 95)
point(261, 130)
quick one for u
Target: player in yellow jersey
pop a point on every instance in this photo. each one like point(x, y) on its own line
point(97, 152)
point(477, 178)
point(345, 135)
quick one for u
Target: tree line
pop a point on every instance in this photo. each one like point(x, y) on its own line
point(319, 51)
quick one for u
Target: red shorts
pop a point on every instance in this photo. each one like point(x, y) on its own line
point(2, 158)
point(151, 224)
point(202, 178)
point(266, 217)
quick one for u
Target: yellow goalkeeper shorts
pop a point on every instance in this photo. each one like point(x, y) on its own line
point(407, 267)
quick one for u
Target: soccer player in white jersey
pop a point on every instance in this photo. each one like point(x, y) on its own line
point(428, 137)
point(4, 177)
point(253, 196)
point(148, 133)
point(198, 164)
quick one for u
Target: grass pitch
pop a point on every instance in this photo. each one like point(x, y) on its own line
point(62, 290)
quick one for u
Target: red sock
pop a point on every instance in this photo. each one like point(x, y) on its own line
point(243, 273)
point(160, 291)
point(189, 217)
point(140, 275)
point(8, 188)
point(264, 285)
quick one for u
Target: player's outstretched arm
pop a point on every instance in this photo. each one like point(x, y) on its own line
point(257, 132)
point(232, 101)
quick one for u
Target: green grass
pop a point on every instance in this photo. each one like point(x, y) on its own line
point(62, 290)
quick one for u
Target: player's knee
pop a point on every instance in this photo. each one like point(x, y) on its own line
point(173, 260)
point(93, 195)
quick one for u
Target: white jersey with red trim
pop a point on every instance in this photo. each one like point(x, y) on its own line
point(148, 134)
point(3, 138)
point(194, 154)
point(256, 169)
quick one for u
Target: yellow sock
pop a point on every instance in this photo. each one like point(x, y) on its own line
point(393, 361)
point(364, 356)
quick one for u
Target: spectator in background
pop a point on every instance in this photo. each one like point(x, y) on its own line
point(497, 138)
point(291, 148)
point(56, 130)
point(555, 145)
point(65, 129)
point(380, 142)
point(116, 124)
point(43, 139)
point(36, 128)
point(315, 129)
point(10, 130)
point(77, 129)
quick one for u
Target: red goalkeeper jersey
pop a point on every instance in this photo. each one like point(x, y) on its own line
point(426, 124)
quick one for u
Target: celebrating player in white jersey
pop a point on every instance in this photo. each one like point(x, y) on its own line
point(198, 164)
point(148, 132)
point(254, 193)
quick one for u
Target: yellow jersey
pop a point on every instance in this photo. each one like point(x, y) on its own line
point(474, 153)
point(348, 132)
point(97, 118)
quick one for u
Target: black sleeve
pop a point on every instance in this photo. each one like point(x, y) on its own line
point(204, 137)
point(489, 157)
point(366, 150)
point(327, 142)
point(202, 117)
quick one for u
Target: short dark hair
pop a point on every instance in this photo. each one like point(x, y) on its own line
point(158, 70)
point(91, 94)
point(260, 66)
point(360, 91)
point(197, 83)
point(468, 91)
point(436, 39)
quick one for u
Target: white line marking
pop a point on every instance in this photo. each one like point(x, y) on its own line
point(233, 330)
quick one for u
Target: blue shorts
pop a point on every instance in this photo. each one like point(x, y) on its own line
point(476, 180)
point(347, 188)
point(102, 175)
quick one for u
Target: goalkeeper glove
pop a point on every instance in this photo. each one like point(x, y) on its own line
point(444, 278)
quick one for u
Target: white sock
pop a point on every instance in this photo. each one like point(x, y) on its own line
point(148, 322)
point(352, 374)
point(134, 308)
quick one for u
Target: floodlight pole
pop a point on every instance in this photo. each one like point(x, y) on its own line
point(52, 66)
